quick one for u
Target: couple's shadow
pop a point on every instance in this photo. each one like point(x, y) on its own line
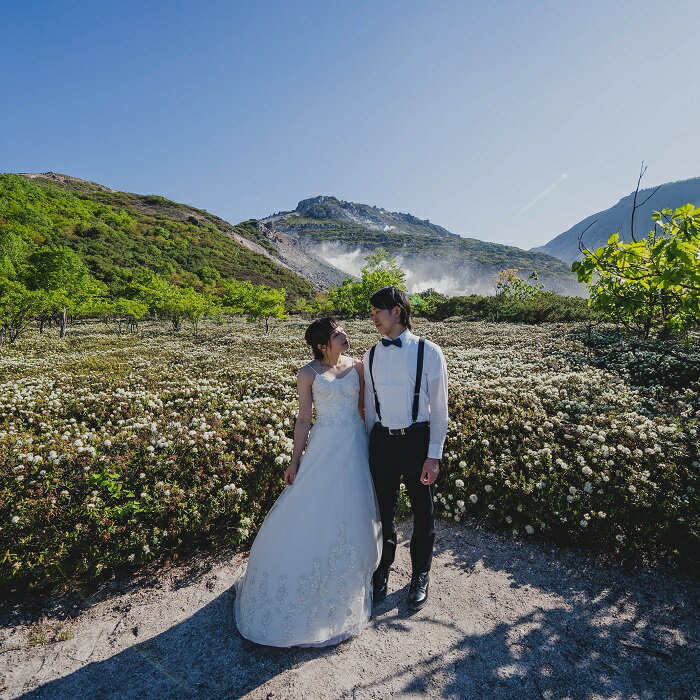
point(202, 656)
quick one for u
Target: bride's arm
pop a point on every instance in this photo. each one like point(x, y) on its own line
point(302, 423)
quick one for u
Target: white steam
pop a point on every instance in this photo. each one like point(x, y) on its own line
point(453, 278)
point(349, 261)
point(449, 276)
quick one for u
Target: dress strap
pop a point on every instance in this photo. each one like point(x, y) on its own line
point(313, 368)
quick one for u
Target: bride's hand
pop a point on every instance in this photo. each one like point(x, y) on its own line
point(290, 473)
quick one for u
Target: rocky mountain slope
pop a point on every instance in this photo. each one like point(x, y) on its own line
point(303, 261)
point(616, 219)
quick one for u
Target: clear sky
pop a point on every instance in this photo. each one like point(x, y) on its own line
point(505, 121)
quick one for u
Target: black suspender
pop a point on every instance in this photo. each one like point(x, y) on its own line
point(419, 377)
point(416, 388)
point(371, 376)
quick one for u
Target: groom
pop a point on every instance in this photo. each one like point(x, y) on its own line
point(406, 416)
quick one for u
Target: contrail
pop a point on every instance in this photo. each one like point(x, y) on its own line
point(544, 193)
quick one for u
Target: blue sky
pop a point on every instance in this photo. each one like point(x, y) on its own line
point(505, 121)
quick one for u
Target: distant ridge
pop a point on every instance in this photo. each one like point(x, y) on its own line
point(616, 219)
point(59, 177)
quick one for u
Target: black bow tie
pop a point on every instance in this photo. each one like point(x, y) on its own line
point(386, 342)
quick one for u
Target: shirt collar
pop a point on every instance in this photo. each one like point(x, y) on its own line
point(405, 335)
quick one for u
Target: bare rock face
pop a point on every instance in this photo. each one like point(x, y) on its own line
point(300, 258)
point(374, 218)
point(340, 234)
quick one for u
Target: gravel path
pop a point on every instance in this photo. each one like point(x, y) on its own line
point(506, 619)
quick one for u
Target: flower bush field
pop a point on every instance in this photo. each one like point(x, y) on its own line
point(120, 450)
point(542, 441)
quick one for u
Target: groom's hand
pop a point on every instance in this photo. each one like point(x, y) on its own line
point(431, 469)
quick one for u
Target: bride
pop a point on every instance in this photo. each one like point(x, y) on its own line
point(309, 576)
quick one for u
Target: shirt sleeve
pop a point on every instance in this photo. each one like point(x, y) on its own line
point(437, 395)
point(370, 413)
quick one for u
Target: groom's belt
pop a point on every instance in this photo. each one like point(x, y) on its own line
point(402, 431)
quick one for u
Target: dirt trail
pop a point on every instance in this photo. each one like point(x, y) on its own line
point(506, 619)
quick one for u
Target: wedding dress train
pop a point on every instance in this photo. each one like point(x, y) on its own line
point(309, 576)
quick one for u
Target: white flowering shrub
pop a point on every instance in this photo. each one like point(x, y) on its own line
point(121, 450)
point(118, 450)
point(546, 444)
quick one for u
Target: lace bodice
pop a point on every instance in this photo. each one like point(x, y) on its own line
point(336, 398)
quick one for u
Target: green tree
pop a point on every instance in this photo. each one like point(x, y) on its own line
point(170, 302)
point(95, 307)
point(195, 306)
point(348, 298)
point(267, 303)
point(257, 301)
point(301, 305)
point(509, 285)
point(515, 297)
point(238, 296)
point(129, 312)
point(427, 303)
point(321, 304)
point(381, 270)
point(652, 285)
point(18, 308)
point(62, 274)
point(14, 251)
point(351, 297)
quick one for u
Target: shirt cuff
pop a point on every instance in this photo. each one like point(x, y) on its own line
point(434, 450)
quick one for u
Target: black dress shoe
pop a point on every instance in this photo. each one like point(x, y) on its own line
point(380, 580)
point(418, 591)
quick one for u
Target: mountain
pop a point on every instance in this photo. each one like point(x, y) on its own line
point(343, 233)
point(119, 233)
point(617, 218)
point(323, 241)
point(329, 208)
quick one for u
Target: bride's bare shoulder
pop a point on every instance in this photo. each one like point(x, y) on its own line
point(308, 371)
point(357, 365)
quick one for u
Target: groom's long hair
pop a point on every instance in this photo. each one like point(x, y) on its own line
point(388, 298)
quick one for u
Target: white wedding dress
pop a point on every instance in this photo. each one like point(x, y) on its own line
point(309, 576)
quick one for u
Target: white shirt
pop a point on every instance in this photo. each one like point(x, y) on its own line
point(394, 371)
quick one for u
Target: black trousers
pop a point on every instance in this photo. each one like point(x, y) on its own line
point(391, 458)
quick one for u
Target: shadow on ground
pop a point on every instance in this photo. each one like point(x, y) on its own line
point(591, 632)
point(203, 656)
point(608, 633)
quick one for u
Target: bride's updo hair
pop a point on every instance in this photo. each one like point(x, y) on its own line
point(319, 333)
